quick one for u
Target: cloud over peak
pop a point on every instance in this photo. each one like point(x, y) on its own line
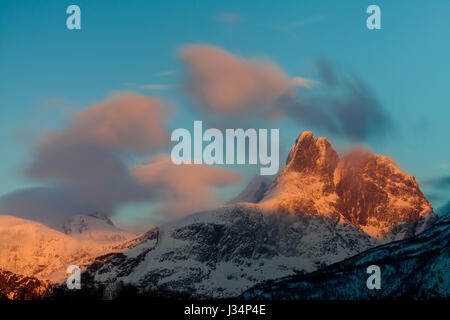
point(184, 188)
point(228, 84)
point(234, 87)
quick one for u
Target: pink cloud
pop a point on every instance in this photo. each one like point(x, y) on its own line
point(126, 121)
point(184, 188)
point(229, 84)
point(84, 160)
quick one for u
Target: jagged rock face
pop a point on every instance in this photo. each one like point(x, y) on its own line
point(17, 287)
point(363, 188)
point(309, 156)
point(373, 192)
point(305, 185)
point(221, 253)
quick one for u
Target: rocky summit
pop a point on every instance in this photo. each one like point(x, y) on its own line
point(367, 190)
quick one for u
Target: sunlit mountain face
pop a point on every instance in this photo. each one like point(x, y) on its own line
point(18, 287)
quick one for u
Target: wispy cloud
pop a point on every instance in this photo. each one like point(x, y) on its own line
point(441, 182)
point(166, 73)
point(291, 28)
point(82, 164)
point(150, 86)
point(156, 86)
point(229, 84)
point(344, 106)
point(303, 82)
point(184, 188)
point(228, 17)
point(236, 87)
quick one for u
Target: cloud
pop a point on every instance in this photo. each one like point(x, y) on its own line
point(303, 82)
point(156, 86)
point(441, 182)
point(83, 164)
point(248, 89)
point(350, 109)
point(230, 85)
point(327, 73)
point(125, 122)
point(228, 17)
point(166, 73)
point(84, 170)
point(184, 188)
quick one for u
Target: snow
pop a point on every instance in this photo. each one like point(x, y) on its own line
point(221, 253)
point(94, 227)
point(254, 191)
point(33, 249)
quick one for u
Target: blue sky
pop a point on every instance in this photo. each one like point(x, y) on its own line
point(48, 72)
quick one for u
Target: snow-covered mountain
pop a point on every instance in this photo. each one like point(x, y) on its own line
point(97, 227)
point(33, 249)
point(415, 268)
point(17, 287)
point(221, 253)
point(311, 216)
point(255, 190)
point(367, 190)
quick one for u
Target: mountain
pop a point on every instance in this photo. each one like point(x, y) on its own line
point(415, 268)
point(33, 249)
point(222, 252)
point(255, 190)
point(97, 227)
point(312, 215)
point(367, 190)
point(17, 287)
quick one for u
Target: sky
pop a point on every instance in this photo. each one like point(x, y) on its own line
point(314, 64)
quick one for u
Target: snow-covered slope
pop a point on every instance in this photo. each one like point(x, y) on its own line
point(254, 191)
point(221, 253)
point(32, 249)
point(97, 227)
point(416, 268)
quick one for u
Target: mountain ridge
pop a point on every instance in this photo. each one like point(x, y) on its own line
point(414, 268)
point(94, 226)
point(365, 189)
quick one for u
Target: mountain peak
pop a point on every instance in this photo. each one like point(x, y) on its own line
point(363, 188)
point(309, 155)
point(95, 226)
